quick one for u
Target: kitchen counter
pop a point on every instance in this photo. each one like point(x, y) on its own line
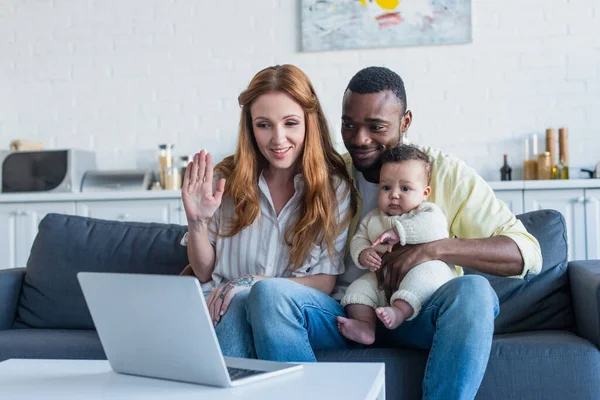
point(176, 194)
point(89, 196)
point(546, 184)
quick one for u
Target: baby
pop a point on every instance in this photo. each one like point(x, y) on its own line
point(403, 216)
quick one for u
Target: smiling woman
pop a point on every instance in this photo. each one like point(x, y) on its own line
point(279, 207)
point(278, 123)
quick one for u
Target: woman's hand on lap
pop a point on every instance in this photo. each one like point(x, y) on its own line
point(220, 298)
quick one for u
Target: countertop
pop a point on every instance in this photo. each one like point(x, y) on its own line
point(546, 184)
point(176, 194)
point(89, 196)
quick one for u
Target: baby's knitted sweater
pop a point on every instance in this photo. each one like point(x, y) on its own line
point(424, 224)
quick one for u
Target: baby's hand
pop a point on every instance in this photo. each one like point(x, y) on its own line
point(370, 259)
point(389, 237)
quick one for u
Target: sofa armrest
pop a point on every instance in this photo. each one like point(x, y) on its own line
point(584, 277)
point(11, 281)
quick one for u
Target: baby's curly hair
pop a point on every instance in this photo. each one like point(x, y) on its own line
point(406, 152)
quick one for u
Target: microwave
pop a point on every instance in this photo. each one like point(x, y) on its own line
point(44, 170)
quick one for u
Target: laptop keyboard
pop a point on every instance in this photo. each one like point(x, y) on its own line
point(239, 373)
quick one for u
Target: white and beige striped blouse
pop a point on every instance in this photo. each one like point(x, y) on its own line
point(260, 249)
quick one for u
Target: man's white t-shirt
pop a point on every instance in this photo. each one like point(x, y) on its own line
point(368, 193)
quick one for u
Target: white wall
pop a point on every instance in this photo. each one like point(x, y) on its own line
point(121, 76)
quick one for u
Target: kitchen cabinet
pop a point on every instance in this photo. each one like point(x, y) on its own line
point(182, 216)
point(592, 223)
point(581, 210)
point(572, 205)
point(578, 201)
point(512, 198)
point(19, 226)
point(166, 211)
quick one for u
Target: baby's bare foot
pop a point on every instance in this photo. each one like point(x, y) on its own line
point(357, 331)
point(390, 316)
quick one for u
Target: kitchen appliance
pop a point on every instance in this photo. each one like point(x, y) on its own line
point(593, 173)
point(121, 180)
point(44, 170)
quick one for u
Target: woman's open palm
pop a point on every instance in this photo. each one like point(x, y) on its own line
point(199, 201)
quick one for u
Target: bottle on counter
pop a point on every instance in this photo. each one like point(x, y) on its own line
point(183, 163)
point(551, 148)
point(506, 170)
point(530, 163)
point(562, 168)
point(165, 160)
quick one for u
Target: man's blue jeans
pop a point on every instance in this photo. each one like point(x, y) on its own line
point(284, 321)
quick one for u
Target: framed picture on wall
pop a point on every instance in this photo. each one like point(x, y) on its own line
point(362, 24)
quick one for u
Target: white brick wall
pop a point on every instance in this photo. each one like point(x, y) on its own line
point(121, 76)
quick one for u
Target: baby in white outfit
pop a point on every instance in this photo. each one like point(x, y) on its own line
point(403, 216)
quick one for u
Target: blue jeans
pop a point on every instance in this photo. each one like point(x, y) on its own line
point(280, 320)
point(284, 321)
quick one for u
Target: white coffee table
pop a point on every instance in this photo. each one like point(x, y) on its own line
point(94, 379)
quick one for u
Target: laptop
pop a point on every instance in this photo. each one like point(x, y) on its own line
point(159, 326)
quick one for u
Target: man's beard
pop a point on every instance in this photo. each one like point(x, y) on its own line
point(373, 168)
point(366, 169)
point(375, 165)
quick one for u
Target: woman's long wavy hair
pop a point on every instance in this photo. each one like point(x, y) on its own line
point(320, 165)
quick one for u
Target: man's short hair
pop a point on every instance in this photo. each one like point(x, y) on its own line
point(378, 79)
point(407, 152)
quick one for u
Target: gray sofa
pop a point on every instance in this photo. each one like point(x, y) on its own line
point(547, 334)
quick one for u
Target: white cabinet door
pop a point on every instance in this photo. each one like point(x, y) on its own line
point(8, 236)
point(512, 198)
point(182, 216)
point(592, 223)
point(19, 226)
point(571, 203)
point(164, 211)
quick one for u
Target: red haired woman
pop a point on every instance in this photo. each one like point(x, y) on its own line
point(267, 236)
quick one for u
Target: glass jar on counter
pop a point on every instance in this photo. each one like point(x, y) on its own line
point(172, 178)
point(544, 166)
point(165, 160)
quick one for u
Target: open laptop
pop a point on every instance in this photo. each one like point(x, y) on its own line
point(159, 326)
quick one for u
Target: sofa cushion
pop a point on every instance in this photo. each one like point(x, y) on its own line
point(65, 245)
point(11, 281)
point(541, 301)
point(531, 365)
point(541, 365)
point(50, 344)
